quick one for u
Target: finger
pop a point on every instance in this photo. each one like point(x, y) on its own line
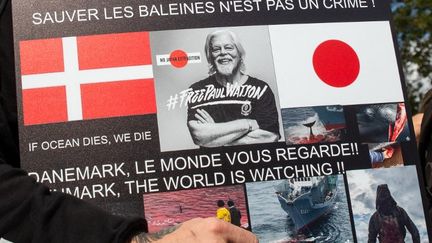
point(203, 114)
point(231, 233)
point(236, 234)
point(200, 118)
point(207, 115)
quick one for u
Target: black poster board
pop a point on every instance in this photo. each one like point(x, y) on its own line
point(120, 103)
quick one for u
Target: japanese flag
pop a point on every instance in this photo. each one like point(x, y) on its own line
point(335, 64)
point(87, 77)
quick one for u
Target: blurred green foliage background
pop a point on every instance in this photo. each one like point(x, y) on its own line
point(413, 22)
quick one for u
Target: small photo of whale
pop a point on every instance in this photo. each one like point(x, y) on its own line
point(310, 125)
point(381, 123)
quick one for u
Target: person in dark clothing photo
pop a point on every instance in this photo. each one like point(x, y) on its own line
point(389, 222)
point(235, 213)
point(30, 212)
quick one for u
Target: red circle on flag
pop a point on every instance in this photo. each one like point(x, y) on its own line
point(178, 58)
point(336, 63)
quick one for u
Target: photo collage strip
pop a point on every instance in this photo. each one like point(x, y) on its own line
point(313, 103)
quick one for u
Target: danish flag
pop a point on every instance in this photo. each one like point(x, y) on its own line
point(86, 77)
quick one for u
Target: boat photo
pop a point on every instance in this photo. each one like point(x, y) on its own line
point(305, 200)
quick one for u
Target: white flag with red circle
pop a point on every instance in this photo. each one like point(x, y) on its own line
point(335, 64)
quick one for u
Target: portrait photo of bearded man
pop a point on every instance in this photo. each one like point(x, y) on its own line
point(229, 107)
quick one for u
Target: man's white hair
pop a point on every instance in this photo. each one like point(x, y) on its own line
point(237, 44)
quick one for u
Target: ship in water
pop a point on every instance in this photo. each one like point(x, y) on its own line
point(307, 199)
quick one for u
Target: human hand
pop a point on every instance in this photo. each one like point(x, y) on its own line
point(254, 124)
point(203, 116)
point(388, 152)
point(209, 230)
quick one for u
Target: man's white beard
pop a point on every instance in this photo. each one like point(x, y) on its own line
point(227, 70)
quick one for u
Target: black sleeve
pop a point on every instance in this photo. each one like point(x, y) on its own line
point(267, 114)
point(8, 105)
point(373, 228)
point(191, 112)
point(29, 212)
point(425, 150)
point(410, 226)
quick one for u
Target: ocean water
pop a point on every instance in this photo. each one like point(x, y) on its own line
point(272, 224)
point(170, 208)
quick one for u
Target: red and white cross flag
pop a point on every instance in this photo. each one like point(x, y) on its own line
point(86, 77)
point(345, 63)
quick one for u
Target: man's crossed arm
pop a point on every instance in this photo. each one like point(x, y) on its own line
point(207, 133)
